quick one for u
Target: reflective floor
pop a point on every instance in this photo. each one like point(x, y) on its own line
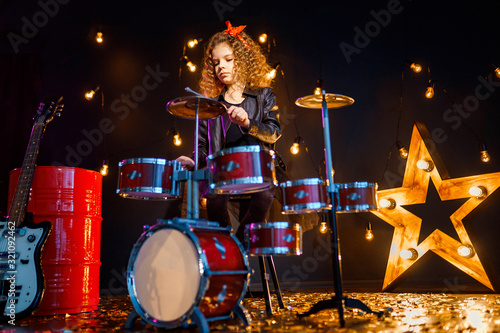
point(402, 312)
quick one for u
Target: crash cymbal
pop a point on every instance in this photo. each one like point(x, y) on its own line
point(185, 107)
point(333, 101)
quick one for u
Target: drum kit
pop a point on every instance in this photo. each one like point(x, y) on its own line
point(187, 271)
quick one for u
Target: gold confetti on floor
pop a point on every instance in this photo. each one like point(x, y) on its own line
point(402, 312)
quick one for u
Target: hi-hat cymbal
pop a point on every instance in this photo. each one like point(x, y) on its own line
point(333, 101)
point(185, 107)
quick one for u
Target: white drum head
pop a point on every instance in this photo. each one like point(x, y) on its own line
point(167, 275)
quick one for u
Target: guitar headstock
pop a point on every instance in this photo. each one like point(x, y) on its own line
point(51, 106)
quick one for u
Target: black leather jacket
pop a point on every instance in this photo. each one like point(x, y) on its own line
point(264, 124)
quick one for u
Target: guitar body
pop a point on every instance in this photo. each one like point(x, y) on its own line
point(22, 283)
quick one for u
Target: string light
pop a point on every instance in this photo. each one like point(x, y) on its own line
point(414, 66)
point(193, 42)
point(98, 38)
point(263, 38)
point(294, 149)
point(369, 231)
point(429, 93)
point(177, 138)
point(319, 87)
point(485, 157)
point(104, 169)
point(192, 67)
point(402, 150)
point(89, 95)
point(323, 227)
point(496, 69)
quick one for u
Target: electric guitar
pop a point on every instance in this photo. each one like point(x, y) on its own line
point(21, 240)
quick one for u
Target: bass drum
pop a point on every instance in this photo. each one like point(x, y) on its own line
point(179, 267)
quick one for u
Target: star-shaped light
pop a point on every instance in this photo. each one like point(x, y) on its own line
point(423, 165)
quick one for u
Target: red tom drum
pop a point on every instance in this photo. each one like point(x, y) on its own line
point(244, 169)
point(304, 196)
point(148, 179)
point(356, 197)
point(274, 238)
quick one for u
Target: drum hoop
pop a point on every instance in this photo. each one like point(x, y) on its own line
point(273, 225)
point(147, 160)
point(310, 207)
point(241, 149)
point(356, 185)
point(355, 208)
point(306, 181)
point(203, 270)
point(279, 250)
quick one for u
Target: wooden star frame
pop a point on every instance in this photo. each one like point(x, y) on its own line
point(407, 225)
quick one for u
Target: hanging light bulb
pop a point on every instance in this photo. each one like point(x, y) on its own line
point(294, 149)
point(496, 70)
point(89, 95)
point(323, 227)
point(485, 157)
point(319, 87)
point(98, 38)
point(104, 169)
point(414, 66)
point(369, 231)
point(193, 42)
point(177, 139)
point(429, 93)
point(263, 38)
point(192, 67)
point(402, 150)
point(271, 74)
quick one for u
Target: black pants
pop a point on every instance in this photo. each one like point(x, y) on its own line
point(254, 210)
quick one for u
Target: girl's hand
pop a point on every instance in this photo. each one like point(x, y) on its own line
point(238, 116)
point(187, 163)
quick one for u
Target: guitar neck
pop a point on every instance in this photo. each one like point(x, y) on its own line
point(20, 200)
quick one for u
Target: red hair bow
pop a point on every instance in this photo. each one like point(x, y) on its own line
point(235, 32)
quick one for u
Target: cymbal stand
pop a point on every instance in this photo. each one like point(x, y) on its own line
point(338, 299)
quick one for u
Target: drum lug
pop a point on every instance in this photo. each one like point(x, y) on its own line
point(146, 227)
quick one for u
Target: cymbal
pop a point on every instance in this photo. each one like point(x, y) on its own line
point(185, 107)
point(333, 101)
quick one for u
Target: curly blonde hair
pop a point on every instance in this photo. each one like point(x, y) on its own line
point(251, 65)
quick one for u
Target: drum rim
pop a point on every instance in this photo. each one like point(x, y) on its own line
point(271, 225)
point(241, 149)
point(148, 189)
point(304, 181)
point(279, 250)
point(356, 185)
point(309, 207)
point(147, 160)
point(356, 208)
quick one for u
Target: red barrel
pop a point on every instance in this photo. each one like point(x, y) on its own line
point(69, 198)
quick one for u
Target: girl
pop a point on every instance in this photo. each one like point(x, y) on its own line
point(235, 73)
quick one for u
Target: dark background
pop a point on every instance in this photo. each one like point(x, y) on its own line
point(457, 40)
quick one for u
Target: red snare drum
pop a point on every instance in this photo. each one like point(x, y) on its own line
point(244, 169)
point(274, 238)
point(304, 196)
point(356, 197)
point(178, 268)
point(148, 179)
